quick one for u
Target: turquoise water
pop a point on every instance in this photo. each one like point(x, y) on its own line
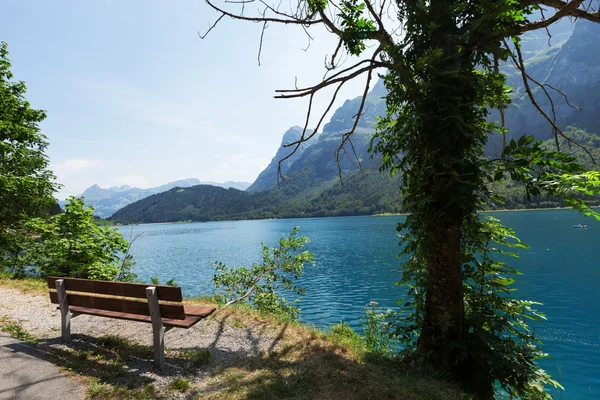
point(356, 262)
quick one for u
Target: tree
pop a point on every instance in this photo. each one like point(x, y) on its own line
point(26, 184)
point(440, 61)
point(72, 245)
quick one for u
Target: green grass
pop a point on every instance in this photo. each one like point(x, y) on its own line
point(301, 363)
point(16, 331)
point(238, 324)
point(197, 357)
point(102, 391)
point(125, 347)
point(179, 384)
point(26, 284)
point(343, 335)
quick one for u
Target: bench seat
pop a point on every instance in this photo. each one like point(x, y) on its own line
point(193, 314)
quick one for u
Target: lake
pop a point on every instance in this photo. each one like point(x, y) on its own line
point(357, 263)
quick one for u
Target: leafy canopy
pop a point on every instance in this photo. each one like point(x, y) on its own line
point(26, 183)
point(72, 245)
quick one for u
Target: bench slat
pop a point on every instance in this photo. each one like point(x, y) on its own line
point(136, 290)
point(172, 311)
point(199, 311)
point(188, 322)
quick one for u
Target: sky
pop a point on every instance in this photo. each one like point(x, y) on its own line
point(135, 97)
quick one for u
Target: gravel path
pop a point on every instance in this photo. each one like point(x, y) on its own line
point(226, 342)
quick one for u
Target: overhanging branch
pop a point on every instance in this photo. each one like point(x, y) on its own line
point(564, 9)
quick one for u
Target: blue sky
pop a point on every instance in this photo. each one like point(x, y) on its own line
point(134, 96)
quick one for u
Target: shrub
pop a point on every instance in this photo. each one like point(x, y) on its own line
point(262, 284)
point(72, 245)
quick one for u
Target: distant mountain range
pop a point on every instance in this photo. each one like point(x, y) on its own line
point(314, 187)
point(107, 201)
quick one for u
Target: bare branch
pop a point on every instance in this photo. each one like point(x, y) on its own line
point(375, 16)
point(346, 138)
point(565, 9)
point(348, 135)
point(337, 77)
point(310, 38)
point(210, 28)
point(287, 19)
point(518, 61)
point(332, 65)
point(279, 172)
point(381, 9)
point(300, 15)
point(546, 28)
point(262, 34)
point(559, 92)
point(302, 138)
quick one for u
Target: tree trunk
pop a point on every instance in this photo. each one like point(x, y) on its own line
point(444, 309)
point(447, 104)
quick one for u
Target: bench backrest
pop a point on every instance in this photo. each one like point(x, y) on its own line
point(125, 303)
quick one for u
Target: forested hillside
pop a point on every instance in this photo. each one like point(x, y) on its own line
point(514, 194)
point(358, 194)
point(106, 201)
point(313, 187)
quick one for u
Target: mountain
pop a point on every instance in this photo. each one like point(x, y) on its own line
point(108, 200)
point(358, 195)
point(228, 184)
point(268, 178)
point(313, 187)
point(317, 165)
point(570, 65)
point(197, 203)
point(95, 192)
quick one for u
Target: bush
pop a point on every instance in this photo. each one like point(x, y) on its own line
point(72, 245)
point(262, 284)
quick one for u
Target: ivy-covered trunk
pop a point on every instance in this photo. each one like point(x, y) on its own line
point(444, 300)
point(449, 172)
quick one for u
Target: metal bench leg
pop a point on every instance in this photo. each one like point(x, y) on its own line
point(65, 314)
point(157, 328)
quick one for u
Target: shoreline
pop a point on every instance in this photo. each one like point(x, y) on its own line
point(502, 210)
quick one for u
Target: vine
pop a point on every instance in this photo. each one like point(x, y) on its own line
point(440, 63)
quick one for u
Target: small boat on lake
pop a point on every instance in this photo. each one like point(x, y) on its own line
point(580, 226)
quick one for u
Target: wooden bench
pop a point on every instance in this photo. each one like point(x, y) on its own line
point(80, 296)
